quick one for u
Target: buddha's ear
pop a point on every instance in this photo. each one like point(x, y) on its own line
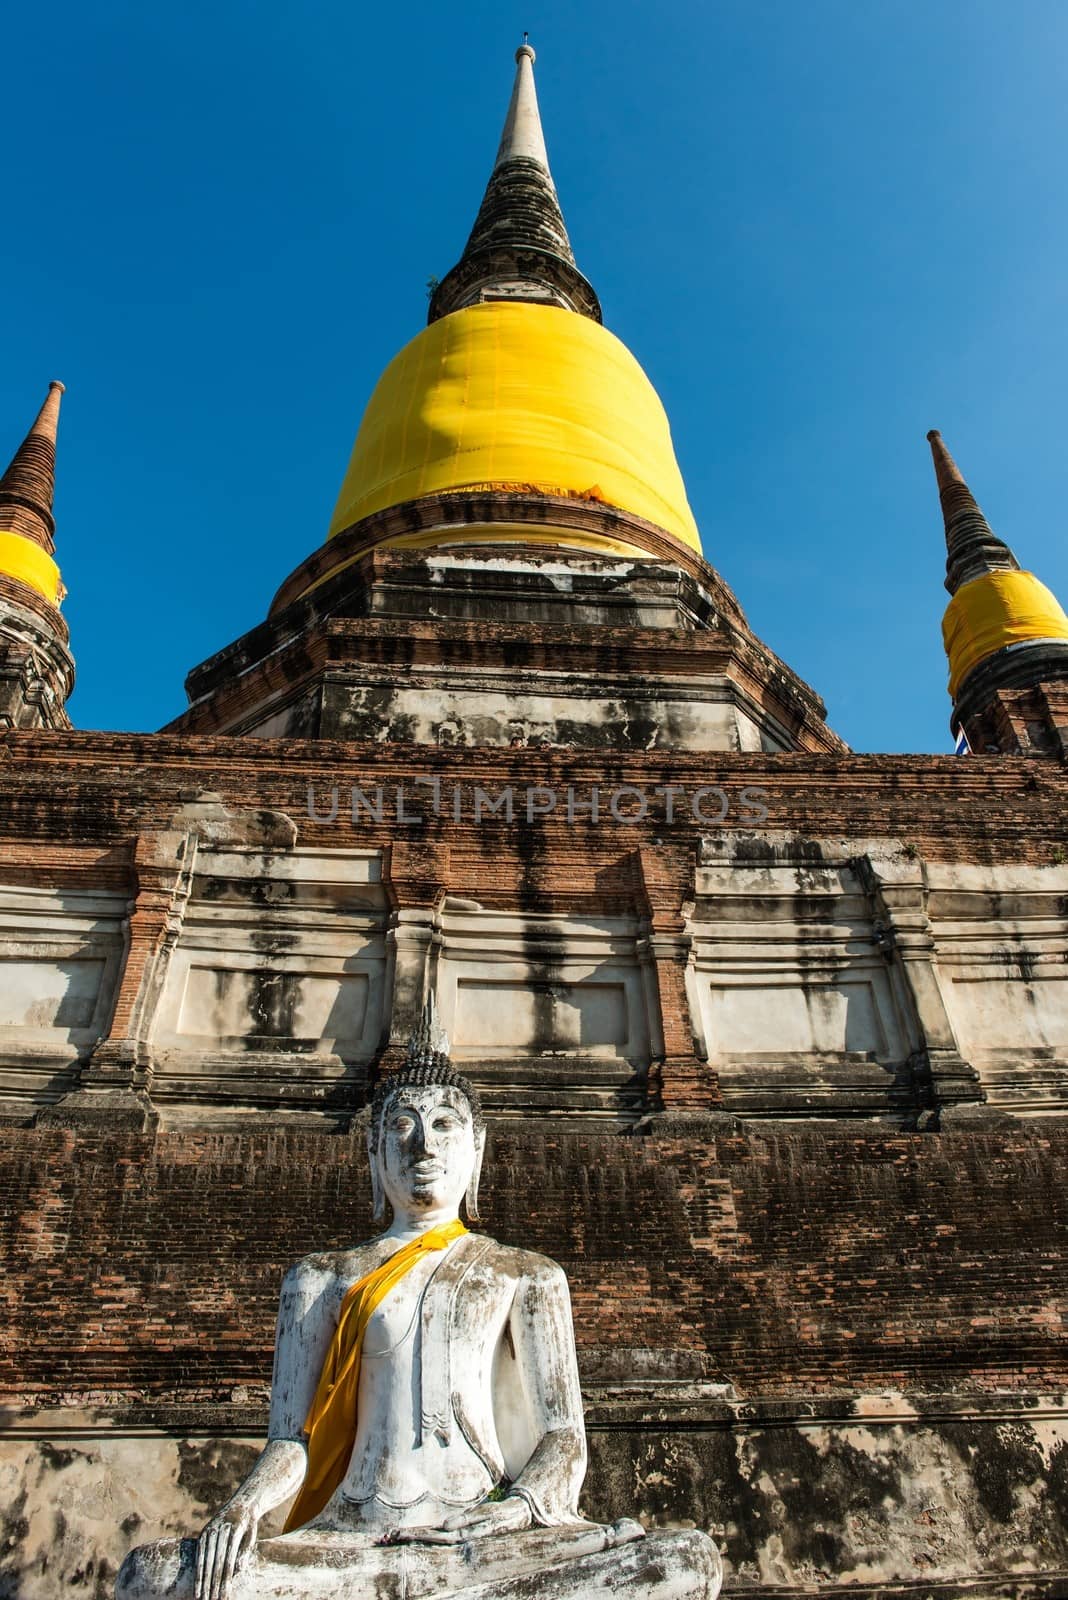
point(378, 1198)
point(471, 1198)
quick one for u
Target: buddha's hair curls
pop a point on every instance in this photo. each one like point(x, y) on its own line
point(425, 1075)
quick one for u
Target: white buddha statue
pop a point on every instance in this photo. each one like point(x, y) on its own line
point(425, 1408)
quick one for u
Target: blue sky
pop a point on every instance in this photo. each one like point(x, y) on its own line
point(822, 228)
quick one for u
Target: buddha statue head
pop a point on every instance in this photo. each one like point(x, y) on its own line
point(426, 1135)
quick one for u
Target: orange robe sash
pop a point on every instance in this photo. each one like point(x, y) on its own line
point(331, 1422)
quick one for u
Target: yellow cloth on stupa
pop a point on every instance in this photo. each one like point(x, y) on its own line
point(516, 397)
point(22, 559)
point(995, 610)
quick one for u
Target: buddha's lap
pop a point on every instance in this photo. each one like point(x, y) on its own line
point(316, 1563)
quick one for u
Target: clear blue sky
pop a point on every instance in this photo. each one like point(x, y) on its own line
point(823, 228)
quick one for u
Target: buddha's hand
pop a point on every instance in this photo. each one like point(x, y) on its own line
point(225, 1541)
point(481, 1521)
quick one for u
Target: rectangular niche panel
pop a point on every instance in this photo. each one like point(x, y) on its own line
point(992, 1013)
point(275, 991)
point(1002, 941)
point(831, 1017)
point(538, 1016)
point(230, 1004)
point(512, 986)
point(62, 952)
point(799, 1009)
point(49, 994)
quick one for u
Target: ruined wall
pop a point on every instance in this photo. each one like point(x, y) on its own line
point(775, 1084)
point(505, 646)
point(788, 936)
point(801, 1260)
point(841, 1351)
point(892, 1492)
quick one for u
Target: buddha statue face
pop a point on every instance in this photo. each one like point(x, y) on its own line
point(427, 1152)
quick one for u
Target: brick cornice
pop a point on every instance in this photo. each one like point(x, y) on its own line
point(451, 513)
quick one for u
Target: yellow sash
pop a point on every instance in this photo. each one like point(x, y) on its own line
point(331, 1422)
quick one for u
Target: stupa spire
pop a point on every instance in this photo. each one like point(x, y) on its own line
point(522, 138)
point(1005, 633)
point(972, 547)
point(27, 488)
point(518, 248)
point(36, 669)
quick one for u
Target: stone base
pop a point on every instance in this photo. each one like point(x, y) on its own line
point(874, 1495)
point(568, 1563)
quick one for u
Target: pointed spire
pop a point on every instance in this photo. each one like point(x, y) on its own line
point(522, 138)
point(972, 547)
point(36, 669)
point(28, 486)
point(518, 248)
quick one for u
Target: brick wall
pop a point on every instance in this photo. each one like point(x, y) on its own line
point(801, 1261)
